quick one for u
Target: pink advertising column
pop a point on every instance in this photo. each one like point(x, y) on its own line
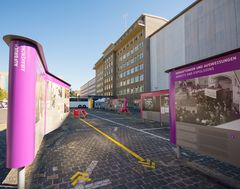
point(21, 98)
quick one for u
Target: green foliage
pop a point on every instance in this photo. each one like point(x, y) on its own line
point(3, 94)
point(73, 93)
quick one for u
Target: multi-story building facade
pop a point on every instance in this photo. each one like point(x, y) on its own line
point(125, 65)
point(88, 88)
point(99, 77)
point(132, 58)
point(109, 71)
point(106, 72)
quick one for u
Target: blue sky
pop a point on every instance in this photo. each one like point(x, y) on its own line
point(74, 33)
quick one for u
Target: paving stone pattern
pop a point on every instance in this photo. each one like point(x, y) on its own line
point(74, 146)
point(3, 170)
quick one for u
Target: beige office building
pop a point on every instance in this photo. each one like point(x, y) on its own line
point(105, 73)
point(130, 61)
point(99, 77)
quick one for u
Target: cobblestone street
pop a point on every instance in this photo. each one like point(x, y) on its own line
point(78, 149)
point(4, 171)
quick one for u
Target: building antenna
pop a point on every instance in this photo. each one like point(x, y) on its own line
point(125, 17)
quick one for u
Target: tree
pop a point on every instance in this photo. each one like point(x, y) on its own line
point(72, 93)
point(3, 94)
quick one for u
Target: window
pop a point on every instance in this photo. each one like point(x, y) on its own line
point(141, 55)
point(132, 91)
point(132, 61)
point(136, 48)
point(141, 77)
point(128, 72)
point(135, 59)
point(137, 89)
point(141, 66)
point(136, 79)
point(141, 88)
point(132, 51)
point(128, 81)
point(132, 70)
point(128, 90)
point(136, 68)
point(132, 80)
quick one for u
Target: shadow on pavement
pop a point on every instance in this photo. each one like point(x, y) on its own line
point(39, 174)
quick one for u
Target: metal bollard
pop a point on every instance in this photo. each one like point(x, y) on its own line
point(21, 178)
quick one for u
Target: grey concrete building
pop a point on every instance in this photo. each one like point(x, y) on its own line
point(88, 88)
point(204, 29)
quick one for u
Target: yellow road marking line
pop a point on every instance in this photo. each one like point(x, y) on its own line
point(76, 181)
point(75, 175)
point(115, 142)
point(80, 176)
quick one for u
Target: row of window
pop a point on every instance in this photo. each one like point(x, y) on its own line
point(99, 90)
point(99, 72)
point(132, 80)
point(108, 65)
point(132, 61)
point(131, 42)
point(108, 59)
point(137, 89)
point(109, 72)
point(108, 94)
point(107, 87)
point(99, 78)
point(130, 52)
point(108, 79)
point(131, 71)
point(99, 85)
